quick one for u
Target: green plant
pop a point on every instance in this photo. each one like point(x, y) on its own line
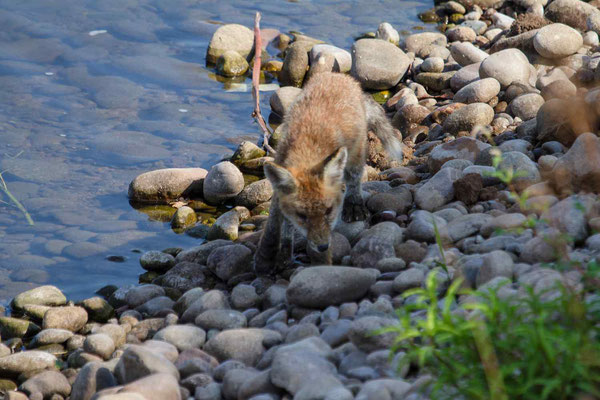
point(12, 198)
point(503, 349)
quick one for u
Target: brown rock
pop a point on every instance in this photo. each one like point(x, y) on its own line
point(467, 188)
point(411, 251)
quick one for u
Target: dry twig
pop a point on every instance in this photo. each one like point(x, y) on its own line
point(255, 86)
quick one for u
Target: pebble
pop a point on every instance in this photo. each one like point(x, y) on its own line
point(283, 98)
point(183, 337)
point(438, 190)
point(139, 361)
point(343, 58)
point(43, 295)
point(71, 318)
point(245, 345)
point(526, 105)
point(468, 117)
point(557, 41)
point(157, 261)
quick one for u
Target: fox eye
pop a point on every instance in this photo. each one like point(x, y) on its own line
point(329, 210)
point(302, 216)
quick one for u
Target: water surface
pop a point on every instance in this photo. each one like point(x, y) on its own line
point(93, 93)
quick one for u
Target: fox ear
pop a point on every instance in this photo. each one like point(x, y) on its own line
point(280, 177)
point(333, 170)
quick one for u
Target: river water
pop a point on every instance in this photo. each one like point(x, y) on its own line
point(93, 93)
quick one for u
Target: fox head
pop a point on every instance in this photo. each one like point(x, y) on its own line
point(311, 198)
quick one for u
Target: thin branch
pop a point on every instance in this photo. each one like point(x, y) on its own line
point(16, 202)
point(255, 86)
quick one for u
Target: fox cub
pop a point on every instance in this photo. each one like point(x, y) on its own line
point(317, 171)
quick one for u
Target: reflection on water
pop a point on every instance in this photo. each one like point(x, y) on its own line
point(92, 93)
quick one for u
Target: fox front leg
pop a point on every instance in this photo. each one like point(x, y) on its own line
point(265, 258)
point(354, 208)
point(286, 251)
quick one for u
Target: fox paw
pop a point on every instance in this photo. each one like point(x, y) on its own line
point(264, 266)
point(354, 212)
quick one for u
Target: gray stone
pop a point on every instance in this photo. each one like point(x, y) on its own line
point(26, 361)
point(139, 295)
point(526, 105)
point(245, 345)
point(463, 148)
point(199, 254)
point(480, 91)
point(432, 64)
point(506, 66)
point(378, 64)
point(244, 297)
point(223, 181)
point(504, 222)
point(100, 344)
point(409, 279)
point(579, 169)
point(571, 12)
point(375, 244)
point(43, 295)
point(229, 261)
point(497, 263)
point(468, 117)
point(213, 299)
point(466, 225)
point(465, 53)
point(385, 31)
point(221, 320)
point(230, 37)
point(71, 318)
point(557, 41)
point(92, 378)
point(415, 42)
point(464, 76)
point(183, 337)
point(421, 227)
point(166, 184)
point(570, 216)
point(231, 63)
point(361, 333)
point(184, 217)
point(523, 165)
point(438, 190)
point(436, 81)
point(319, 287)
point(226, 226)
point(47, 383)
point(295, 63)
point(157, 261)
point(342, 57)
point(380, 389)
point(138, 362)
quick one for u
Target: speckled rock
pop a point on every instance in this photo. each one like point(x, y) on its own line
point(43, 295)
point(26, 361)
point(378, 64)
point(526, 105)
point(468, 117)
point(557, 41)
point(230, 37)
point(465, 53)
point(480, 91)
point(231, 63)
point(71, 318)
point(223, 181)
point(166, 184)
point(506, 66)
point(157, 261)
point(319, 287)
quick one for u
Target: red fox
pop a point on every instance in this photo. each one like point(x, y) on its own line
point(321, 155)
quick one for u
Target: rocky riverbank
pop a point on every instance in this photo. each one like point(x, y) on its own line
point(499, 117)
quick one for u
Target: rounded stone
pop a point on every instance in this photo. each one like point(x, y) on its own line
point(221, 320)
point(26, 361)
point(468, 117)
point(72, 318)
point(432, 64)
point(526, 105)
point(378, 64)
point(48, 384)
point(166, 184)
point(480, 91)
point(461, 34)
point(223, 181)
point(184, 217)
point(320, 287)
point(100, 344)
point(183, 337)
point(465, 53)
point(43, 295)
point(342, 57)
point(231, 63)
point(557, 41)
point(254, 194)
point(230, 37)
point(157, 261)
point(283, 98)
point(245, 345)
point(506, 66)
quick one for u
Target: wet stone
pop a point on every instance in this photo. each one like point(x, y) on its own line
point(71, 318)
point(157, 261)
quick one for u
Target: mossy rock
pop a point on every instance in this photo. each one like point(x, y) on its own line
point(158, 213)
point(17, 328)
point(429, 16)
point(6, 385)
point(231, 63)
point(148, 277)
point(381, 97)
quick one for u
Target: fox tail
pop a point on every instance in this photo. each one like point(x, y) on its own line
point(378, 123)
